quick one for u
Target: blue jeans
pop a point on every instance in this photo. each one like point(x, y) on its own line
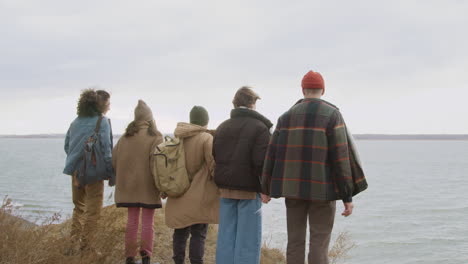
point(240, 231)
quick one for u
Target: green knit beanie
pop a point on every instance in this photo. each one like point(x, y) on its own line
point(199, 116)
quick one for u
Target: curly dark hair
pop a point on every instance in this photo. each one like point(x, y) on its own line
point(92, 102)
point(133, 128)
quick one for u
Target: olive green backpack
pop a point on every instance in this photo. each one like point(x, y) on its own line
point(168, 167)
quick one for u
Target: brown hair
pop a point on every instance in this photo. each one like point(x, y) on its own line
point(133, 128)
point(103, 98)
point(313, 91)
point(245, 96)
point(92, 102)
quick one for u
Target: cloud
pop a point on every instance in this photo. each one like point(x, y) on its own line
point(386, 64)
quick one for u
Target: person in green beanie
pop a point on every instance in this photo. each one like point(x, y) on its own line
point(190, 214)
point(199, 116)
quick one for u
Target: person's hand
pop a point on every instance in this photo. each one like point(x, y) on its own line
point(163, 195)
point(348, 209)
point(265, 198)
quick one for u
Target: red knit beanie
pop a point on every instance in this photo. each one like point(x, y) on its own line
point(313, 80)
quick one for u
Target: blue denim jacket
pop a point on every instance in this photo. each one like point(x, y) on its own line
point(81, 129)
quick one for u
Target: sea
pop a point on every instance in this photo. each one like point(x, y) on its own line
point(415, 210)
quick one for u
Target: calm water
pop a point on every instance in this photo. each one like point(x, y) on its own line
point(415, 210)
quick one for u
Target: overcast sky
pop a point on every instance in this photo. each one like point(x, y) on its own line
point(390, 66)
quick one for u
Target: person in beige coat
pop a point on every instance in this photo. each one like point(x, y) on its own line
point(199, 206)
point(135, 188)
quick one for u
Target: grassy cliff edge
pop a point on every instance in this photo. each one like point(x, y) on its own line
point(49, 243)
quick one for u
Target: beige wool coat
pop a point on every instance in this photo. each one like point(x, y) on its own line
point(131, 160)
point(200, 204)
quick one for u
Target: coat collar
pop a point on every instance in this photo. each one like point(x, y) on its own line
point(306, 100)
point(245, 112)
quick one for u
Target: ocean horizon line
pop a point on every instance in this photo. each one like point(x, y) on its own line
point(365, 136)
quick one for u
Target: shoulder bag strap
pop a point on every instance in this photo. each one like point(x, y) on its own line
point(98, 125)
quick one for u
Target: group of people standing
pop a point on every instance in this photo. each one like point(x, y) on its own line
point(309, 159)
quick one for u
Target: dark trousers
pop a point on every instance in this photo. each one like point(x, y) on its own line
point(321, 216)
point(197, 243)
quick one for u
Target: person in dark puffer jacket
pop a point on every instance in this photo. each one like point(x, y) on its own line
point(239, 148)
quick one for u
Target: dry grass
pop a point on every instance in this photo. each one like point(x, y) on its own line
point(341, 248)
point(49, 242)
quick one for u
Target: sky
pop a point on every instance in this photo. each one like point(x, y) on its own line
point(392, 67)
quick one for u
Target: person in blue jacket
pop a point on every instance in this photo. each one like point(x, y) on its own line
point(88, 191)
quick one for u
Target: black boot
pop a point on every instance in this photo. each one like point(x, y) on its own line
point(145, 259)
point(130, 260)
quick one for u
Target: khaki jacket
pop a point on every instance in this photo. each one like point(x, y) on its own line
point(200, 204)
point(135, 184)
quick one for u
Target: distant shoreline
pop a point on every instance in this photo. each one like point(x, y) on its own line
point(411, 137)
point(356, 136)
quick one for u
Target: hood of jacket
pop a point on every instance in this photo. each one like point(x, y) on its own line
point(185, 130)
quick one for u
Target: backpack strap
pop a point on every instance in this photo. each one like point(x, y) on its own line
point(98, 125)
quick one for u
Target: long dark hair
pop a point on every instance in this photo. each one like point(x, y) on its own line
point(133, 128)
point(92, 102)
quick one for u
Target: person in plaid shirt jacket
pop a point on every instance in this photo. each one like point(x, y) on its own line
point(312, 162)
